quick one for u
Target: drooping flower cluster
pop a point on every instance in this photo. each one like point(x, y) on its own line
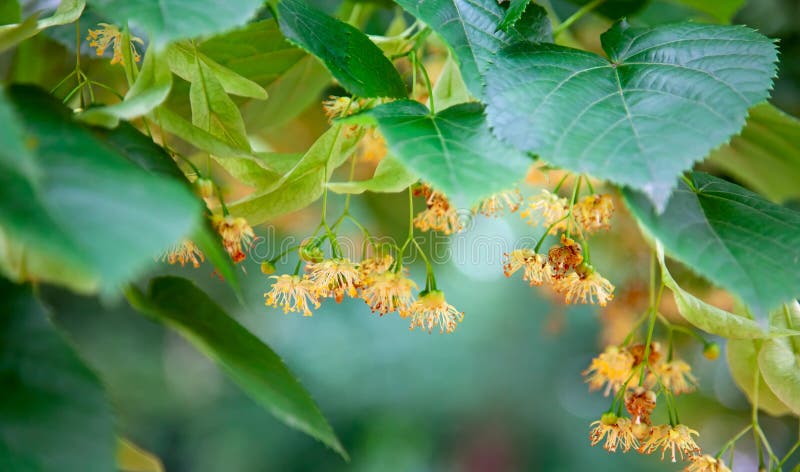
point(184, 253)
point(497, 204)
point(565, 267)
point(111, 36)
point(637, 375)
point(440, 214)
point(236, 234)
point(379, 281)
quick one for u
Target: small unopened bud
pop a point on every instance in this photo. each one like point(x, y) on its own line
point(711, 351)
point(267, 268)
point(310, 252)
point(641, 431)
point(608, 418)
point(205, 187)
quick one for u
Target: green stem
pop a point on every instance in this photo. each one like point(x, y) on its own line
point(427, 82)
point(62, 82)
point(733, 440)
point(576, 16)
point(547, 232)
point(788, 454)
point(561, 182)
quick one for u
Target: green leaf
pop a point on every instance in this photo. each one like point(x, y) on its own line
point(10, 12)
point(259, 52)
point(84, 212)
point(766, 155)
point(213, 110)
point(515, 10)
point(666, 97)
point(707, 317)
point(264, 171)
point(616, 9)
point(169, 20)
point(132, 458)
point(184, 60)
point(779, 358)
point(357, 63)
point(729, 235)
point(450, 88)
point(54, 415)
point(301, 182)
point(68, 11)
point(452, 150)
point(249, 362)
point(391, 176)
point(151, 88)
point(470, 28)
point(721, 10)
point(743, 363)
point(142, 151)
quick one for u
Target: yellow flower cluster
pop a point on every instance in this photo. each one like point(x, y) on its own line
point(440, 215)
point(237, 235)
point(625, 368)
point(378, 281)
point(565, 270)
point(184, 253)
point(496, 204)
point(110, 36)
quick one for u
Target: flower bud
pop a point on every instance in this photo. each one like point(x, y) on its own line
point(711, 351)
point(204, 187)
point(267, 268)
point(608, 418)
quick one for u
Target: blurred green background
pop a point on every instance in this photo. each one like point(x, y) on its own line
point(504, 393)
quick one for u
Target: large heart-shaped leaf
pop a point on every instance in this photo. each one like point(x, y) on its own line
point(733, 237)
point(663, 100)
point(766, 155)
point(356, 62)
point(53, 412)
point(453, 150)
point(78, 219)
point(181, 305)
point(168, 20)
point(471, 29)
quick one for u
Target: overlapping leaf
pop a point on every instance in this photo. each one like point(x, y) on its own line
point(779, 358)
point(743, 363)
point(470, 28)
point(169, 20)
point(453, 150)
point(179, 304)
point(258, 52)
point(733, 237)
point(67, 12)
point(300, 179)
point(663, 100)
point(53, 412)
point(766, 155)
point(357, 63)
point(78, 219)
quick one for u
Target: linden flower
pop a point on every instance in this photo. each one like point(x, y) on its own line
point(236, 235)
point(388, 291)
point(431, 309)
point(640, 403)
point(291, 293)
point(706, 463)
point(183, 253)
point(618, 433)
point(494, 205)
point(440, 215)
point(678, 440)
point(374, 266)
point(593, 213)
point(548, 210)
point(334, 278)
point(676, 376)
point(335, 107)
point(612, 368)
point(585, 288)
point(536, 268)
point(564, 258)
point(110, 35)
point(372, 147)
